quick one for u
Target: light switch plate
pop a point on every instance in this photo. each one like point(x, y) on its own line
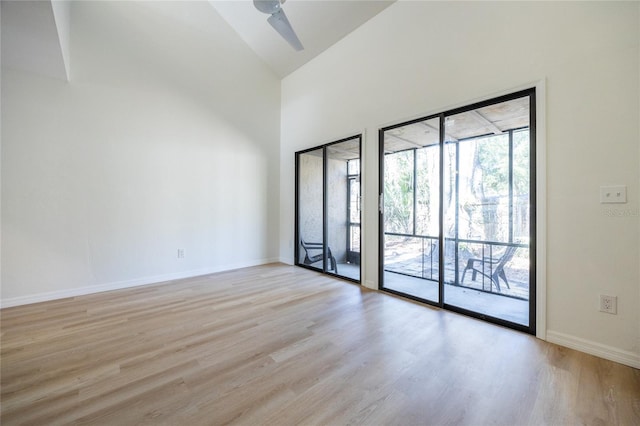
point(613, 194)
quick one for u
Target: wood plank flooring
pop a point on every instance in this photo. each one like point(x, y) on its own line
point(280, 345)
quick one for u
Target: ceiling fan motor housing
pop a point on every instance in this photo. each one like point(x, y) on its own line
point(267, 6)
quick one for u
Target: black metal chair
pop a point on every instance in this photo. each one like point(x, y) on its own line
point(310, 258)
point(495, 266)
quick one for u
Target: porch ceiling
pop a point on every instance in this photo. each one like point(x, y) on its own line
point(493, 119)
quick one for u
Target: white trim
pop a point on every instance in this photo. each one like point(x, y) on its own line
point(541, 210)
point(364, 187)
point(286, 261)
point(597, 349)
point(117, 285)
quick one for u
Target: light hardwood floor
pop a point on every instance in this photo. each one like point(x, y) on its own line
point(280, 345)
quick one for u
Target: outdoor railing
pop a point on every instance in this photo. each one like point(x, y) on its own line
point(418, 256)
point(406, 249)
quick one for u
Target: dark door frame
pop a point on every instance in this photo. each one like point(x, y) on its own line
point(296, 251)
point(531, 93)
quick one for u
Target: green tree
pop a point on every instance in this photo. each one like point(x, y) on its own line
point(398, 192)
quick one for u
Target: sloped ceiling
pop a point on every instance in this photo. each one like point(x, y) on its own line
point(33, 39)
point(35, 34)
point(318, 23)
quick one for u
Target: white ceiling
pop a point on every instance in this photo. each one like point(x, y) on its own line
point(318, 23)
point(31, 32)
point(30, 39)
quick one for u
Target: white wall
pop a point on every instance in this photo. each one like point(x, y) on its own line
point(0, 159)
point(166, 137)
point(422, 57)
point(62, 15)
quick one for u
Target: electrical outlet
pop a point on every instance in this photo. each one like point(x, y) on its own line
point(181, 253)
point(613, 194)
point(609, 304)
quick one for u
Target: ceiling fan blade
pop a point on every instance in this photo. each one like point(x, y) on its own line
point(281, 24)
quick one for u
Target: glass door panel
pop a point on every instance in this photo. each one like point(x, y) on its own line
point(343, 208)
point(411, 212)
point(310, 175)
point(487, 176)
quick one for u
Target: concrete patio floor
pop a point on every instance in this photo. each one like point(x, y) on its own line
point(492, 304)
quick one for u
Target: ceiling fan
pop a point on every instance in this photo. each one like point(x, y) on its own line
point(279, 21)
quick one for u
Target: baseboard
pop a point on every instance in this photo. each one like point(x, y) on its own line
point(118, 285)
point(603, 351)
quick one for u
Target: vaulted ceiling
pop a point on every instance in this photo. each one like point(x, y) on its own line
point(35, 34)
point(35, 37)
point(318, 23)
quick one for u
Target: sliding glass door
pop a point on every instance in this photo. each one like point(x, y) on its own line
point(310, 206)
point(411, 199)
point(489, 219)
point(328, 208)
point(458, 210)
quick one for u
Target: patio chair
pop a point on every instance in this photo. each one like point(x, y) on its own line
point(495, 267)
point(313, 258)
